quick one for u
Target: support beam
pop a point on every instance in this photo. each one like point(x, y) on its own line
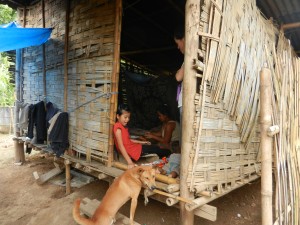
point(188, 109)
point(44, 54)
point(66, 59)
point(68, 176)
point(19, 152)
point(290, 25)
point(266, 146)
point(115, 79)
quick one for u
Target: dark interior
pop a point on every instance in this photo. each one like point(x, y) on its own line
point(147, 43)
point(147, 34)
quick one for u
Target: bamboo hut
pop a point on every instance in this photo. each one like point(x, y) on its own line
point(228, 43)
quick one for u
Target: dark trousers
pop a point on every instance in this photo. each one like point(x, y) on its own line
point(155, 149)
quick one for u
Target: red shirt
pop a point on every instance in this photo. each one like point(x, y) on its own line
point(133, 149)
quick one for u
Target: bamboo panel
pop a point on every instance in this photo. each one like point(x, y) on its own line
point(92, 33)
point(226, 122)
point(286, 113)
point(91, 45)
point(227, 106)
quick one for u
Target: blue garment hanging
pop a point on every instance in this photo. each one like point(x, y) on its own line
point(13, 36)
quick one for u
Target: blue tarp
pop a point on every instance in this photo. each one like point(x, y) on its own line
point(12, 36)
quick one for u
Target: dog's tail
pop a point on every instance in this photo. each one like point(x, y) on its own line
point(77, 217)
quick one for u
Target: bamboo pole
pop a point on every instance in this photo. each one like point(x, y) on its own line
point(68, 176)
point(290, 25)
point(66, 50)
point(159, 177)
point(184, 200)
point(173, 187)
point(266, 146)
point(44, 54)
point(115, 79)
point(192, 21)
point(171, 201)
point(17, 92)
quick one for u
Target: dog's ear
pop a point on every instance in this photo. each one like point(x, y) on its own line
point(140, 170)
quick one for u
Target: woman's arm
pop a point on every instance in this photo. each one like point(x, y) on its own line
point(168, 130)
point(179, 74)
point(122, 149)
point(141, 142)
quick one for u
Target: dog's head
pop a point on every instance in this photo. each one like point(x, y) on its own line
point(147, 176)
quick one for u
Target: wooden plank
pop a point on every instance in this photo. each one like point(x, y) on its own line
point(47, 176)
point(207, 211)
point(88, 208)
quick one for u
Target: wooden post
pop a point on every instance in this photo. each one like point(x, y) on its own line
point(66, 59)
point(192, 9)
point(17, 92)
point(44, 55)
point(19, 147)
point(266, 146)
point(19, 152)
point(68, 176)
point(115, 79)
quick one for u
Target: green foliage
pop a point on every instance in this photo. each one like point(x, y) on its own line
point(6, 86)
point(7, 14)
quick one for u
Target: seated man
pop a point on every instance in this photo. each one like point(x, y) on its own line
point(170, 130)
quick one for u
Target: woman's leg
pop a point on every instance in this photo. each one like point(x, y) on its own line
point(154, 149)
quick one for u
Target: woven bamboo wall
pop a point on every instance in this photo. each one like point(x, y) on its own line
point(33, 56)
point(232, 39)
point(91, 38)
point(235, 42)
point(90, 62)
point(222, 158)
point(286, 109)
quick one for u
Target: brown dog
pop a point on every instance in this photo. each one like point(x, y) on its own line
point(125, 187)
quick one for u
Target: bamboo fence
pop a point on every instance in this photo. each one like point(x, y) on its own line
point(235, 43)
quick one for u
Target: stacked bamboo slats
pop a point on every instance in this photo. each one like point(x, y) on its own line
point(91, 47)
point(285, 77)
point(227, 104)
point(235, 43)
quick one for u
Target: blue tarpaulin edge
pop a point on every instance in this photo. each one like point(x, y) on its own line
point(12, 36)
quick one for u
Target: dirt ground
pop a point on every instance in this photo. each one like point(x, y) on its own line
point(24, 202)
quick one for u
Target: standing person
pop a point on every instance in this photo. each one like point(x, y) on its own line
point(179, 40)
point(132, 149)
point(170, 131)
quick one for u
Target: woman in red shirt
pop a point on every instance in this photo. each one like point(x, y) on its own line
point(130, 148)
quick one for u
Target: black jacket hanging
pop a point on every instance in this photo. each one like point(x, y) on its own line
point(59, 134)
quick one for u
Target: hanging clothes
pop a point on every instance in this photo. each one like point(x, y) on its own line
point(37, 118)
point(23, 116)
point(58, 136)
point(51, 111)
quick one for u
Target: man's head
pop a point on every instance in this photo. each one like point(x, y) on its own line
point(179, 37)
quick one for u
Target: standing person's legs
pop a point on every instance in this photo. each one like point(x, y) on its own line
point(154, 149)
